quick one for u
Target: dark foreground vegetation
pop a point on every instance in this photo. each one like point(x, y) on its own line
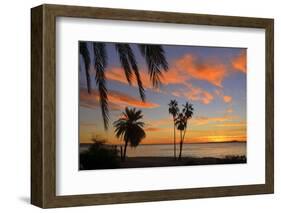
point(100, 156)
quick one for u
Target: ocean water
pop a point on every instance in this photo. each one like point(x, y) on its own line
point(217, 150)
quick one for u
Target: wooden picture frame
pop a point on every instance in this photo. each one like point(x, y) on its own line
point(43, 105)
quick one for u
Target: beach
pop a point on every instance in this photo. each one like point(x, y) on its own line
point(142, 162)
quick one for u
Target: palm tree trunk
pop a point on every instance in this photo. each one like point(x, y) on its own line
point(121, 152)
point(183, 134)
point(175, 154)
point(125, 150)
point(180, 146)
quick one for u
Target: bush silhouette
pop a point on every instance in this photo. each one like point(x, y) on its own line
point(100, 156)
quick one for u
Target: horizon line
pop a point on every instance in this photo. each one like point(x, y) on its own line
point(233, 141)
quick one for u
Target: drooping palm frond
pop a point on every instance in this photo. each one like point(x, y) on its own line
point(122, 52)
point(100, 63)
point(83, 50)
point(135, 68)
point(129, 64)
point(156, 61)
point(154, 56)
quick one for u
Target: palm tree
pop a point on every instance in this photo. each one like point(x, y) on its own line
point(174, 110)
point(129, 128)
point(153, 54)
point(181, 122)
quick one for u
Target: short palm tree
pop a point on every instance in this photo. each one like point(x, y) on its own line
point(154, 56)
point(129, 128)
point(181, 122)
point(174, 110)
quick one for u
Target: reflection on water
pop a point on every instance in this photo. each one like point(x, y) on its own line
point(218, 150)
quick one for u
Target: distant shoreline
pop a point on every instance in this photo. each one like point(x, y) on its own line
point(173, 143)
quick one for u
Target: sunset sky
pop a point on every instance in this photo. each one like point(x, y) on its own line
point(212, 79)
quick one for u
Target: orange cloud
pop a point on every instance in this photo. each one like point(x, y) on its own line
point(123, 99)
point(241, 124)
point(172, 76)
point(198, 121)
point(240, 62)
point(88, 100)
point(227, 99)
point(181, 71)
point(160, 122)
point(92, 100)
point(209, 70)
point(194, 94)
point(152, 129)
point(117, 100)
point(185, 69)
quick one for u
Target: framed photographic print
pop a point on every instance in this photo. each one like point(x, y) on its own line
point(137, 106)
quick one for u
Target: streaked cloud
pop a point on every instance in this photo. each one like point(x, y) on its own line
point(153, 129)
point(209, 70)
point(232, 124)
point(225, 98)
point(117, 100)
point(240, 62)
point(172, 76)
point(183, 69)
point(91, 100)
point(203, 120)
point(123, 99)
point(194, 94)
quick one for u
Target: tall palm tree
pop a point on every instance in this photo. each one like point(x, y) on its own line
point(153, 54)
point(174, 110)
point(129, 128)
point(181, 122)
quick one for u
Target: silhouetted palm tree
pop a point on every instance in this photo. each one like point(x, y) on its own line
point(129, 128)
point(153, 54)
point(174, 110)
point(181, 122)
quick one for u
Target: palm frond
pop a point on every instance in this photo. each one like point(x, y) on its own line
point(100, 63)
point(135, 68)
point(156, 62)
point(122, 52)
point(137, 135)
point(129, 64)
point(83, 50)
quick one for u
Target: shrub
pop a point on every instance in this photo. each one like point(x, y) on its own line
point(100, 156)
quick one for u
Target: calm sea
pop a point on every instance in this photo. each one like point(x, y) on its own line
point(218, 150)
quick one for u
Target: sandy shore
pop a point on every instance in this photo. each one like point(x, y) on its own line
point(140, 162)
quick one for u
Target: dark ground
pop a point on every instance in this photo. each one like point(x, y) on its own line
point(139, 162)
